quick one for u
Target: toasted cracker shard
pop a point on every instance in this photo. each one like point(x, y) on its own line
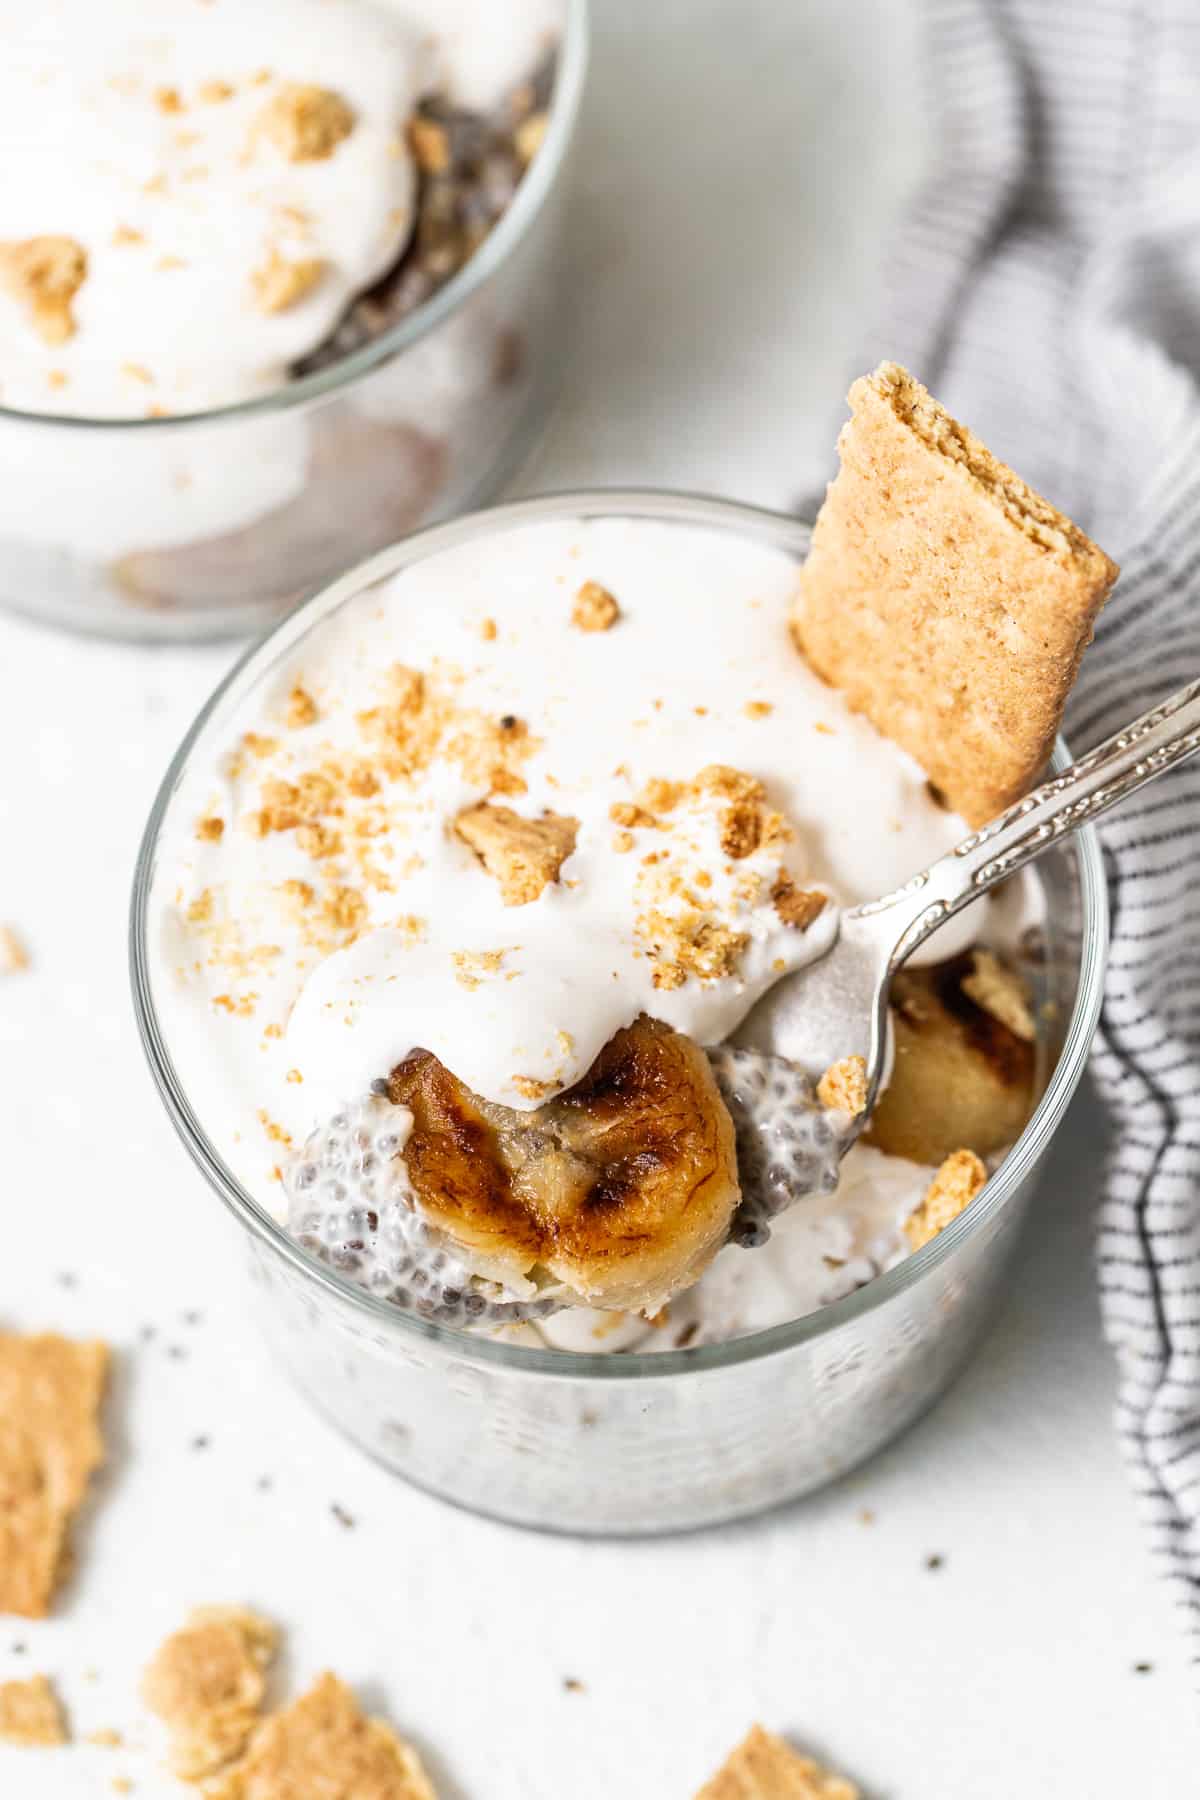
point(763, 1767)
point(524, 855)
point(30, 1714)
point(950, 1192)
point(1001, 992)
point(50, 1442)
point(843, 1086)
point(948, 601)
point(324, 1744)
point(206, 1683)
point(595, 609)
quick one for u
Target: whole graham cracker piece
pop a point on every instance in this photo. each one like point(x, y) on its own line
point(949, 602)
point(763, 1767)
point(50, 1442)
point(322, 1744)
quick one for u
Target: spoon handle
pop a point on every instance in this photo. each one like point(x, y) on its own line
point(1166, 735)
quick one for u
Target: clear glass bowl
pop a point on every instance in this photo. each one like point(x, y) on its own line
point(216, 523)
point(634, 1442)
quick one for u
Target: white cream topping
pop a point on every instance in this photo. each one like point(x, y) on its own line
point(698, 670)
point(141, 136)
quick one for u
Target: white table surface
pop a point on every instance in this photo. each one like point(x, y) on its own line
point(733, 183)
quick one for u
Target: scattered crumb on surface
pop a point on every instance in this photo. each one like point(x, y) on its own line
point(50, 1443)
point(523, 855)
point(30, 1714)
point(206, 1682)
point(764, 1767)
point(13, 955)
point(323, 1744)
point(573, 1685)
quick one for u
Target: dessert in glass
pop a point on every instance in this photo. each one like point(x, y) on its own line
point(275, 288)
point(457, 921)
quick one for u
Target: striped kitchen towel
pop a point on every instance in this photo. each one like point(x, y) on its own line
point(1046, 286)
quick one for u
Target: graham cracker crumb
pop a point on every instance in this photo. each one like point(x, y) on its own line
point(595, 609)
point(487, 630)
point(470, 966)
point(279, 283)
point(305, 123)
point(30, 1714)
point(301, 708)
point(1000, 992)
point(106, 1738)
point(126, 234)
point(45, 274)
point(324, 1744)
point(523, 855)
point(623, 842)
point(948, 601)
point(213, 92)
point(726, 783)
point(680, 946)
point(344, 909)
point(659, 796)
point(531, 1088)
point(624, 812)
point(797, 907)
point(13, 955)
point(50, 1392)
point(950, 1192)
point(763, 1767)
point(758, 709)
point(167, 100)
point(209, 830)
point(207, 1682)
point(530, 135)
point(430, 145)
point(121, 1784)
point(843, 1086)
point(741, 829)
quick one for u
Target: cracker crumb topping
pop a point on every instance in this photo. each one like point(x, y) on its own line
point(758, 709)
point(843, 1086)
point(306, 123)
point(471, 966)
point(595, 609)
point(487, 630)
point(530, 1088)
point(950, 1192)
point(44, 274)
point(524, 855)
point(210, 829)
point(30, 1714)
point(281, 283)
point(796, 906)
point(430, 145)
point(301, 708)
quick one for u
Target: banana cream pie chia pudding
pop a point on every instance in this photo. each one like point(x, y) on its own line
point(213, 207)
point(456, 936)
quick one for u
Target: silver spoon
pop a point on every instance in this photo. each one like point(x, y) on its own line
point(838, 1007)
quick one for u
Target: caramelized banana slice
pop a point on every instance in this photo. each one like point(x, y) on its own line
point(622, 1188)
point(962, 1076)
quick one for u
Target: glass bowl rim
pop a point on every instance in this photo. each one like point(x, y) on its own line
point(491, 255)
point(668, 507)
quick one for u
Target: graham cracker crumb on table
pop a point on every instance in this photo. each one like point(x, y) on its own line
point(763, 1767)
point(280, 283)
point(324, 1744)
point(306, 123)
point(13, 955)
point(211, 93)
point(523, 855)
point(45, 274)
point(595, 609)
point(206, 1682)
point(948, 601)
point(950, 1192)
point(105, 1738)
point(1000, 992)
point(843, 1086)
point(487, 630)
point(797, 907)
point(50, 1443)
point(30, 1714)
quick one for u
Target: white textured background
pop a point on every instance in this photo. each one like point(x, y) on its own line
point(738, 165)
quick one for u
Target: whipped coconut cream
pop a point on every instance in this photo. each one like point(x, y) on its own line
point(319, 915)
point(230, 177)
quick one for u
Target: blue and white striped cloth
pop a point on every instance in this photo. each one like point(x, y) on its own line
point(1047, 288)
